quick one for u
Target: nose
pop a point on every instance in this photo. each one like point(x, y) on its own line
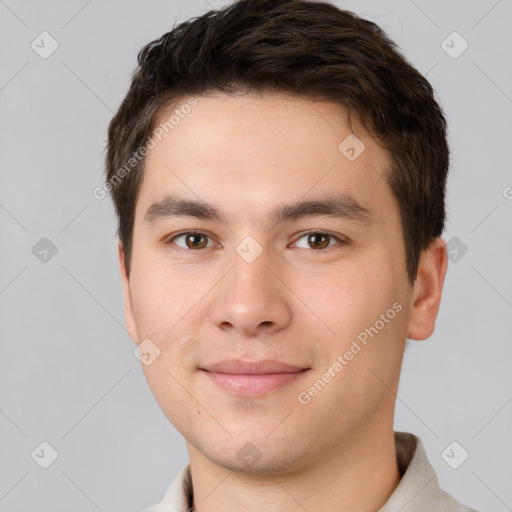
point(252, 300)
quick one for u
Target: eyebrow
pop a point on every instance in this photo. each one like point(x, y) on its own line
point(338, 206)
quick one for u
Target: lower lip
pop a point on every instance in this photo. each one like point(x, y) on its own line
point(252, 385)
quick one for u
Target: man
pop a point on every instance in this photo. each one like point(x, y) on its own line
point(279, 170)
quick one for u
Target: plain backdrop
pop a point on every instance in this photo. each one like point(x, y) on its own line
point(68, 375)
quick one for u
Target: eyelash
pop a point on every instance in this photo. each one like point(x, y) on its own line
point(331, 236)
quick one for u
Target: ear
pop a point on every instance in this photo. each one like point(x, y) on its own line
point(427, 290)
point(129, 316)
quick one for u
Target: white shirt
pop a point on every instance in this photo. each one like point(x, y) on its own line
point(418, 490)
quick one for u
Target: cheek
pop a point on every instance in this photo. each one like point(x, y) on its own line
point(368, 313)
point(171, 310)
point(166, 384)
point(151, 308)
point(365, 304)
point(348, 297)
point(161, 298)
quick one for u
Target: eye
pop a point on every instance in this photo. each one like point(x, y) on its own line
point(317, 240)
point(192, 240)
point(195, 240)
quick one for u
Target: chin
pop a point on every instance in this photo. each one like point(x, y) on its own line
point(253, 451)
point(253, 460)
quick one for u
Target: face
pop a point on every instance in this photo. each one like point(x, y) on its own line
point(258, 238)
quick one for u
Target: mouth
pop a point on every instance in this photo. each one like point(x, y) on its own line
point(252, 378)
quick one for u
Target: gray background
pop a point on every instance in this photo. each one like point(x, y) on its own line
point(68, 375)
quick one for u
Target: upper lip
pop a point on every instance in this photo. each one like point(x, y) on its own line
point(237, 366)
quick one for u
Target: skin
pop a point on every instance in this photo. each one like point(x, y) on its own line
point(295, 303)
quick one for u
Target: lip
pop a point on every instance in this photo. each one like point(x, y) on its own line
point(263, 366)
point(252, 378)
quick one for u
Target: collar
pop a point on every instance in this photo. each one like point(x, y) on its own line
point(418, 490)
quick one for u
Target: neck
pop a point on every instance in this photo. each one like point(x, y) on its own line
point(357, 475)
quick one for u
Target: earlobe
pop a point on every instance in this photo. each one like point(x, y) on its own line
point(131, 324)
point(428, 290)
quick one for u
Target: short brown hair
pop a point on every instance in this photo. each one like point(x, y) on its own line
point(306, 48)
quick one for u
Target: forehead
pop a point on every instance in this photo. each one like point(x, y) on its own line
point(249, 151)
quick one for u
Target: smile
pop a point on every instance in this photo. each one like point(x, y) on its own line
point(252, 384)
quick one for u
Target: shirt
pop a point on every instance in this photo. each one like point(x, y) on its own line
point(417, 491)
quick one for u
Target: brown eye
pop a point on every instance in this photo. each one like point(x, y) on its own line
point(196, 241)
point(318, 240)
point(191, 240)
